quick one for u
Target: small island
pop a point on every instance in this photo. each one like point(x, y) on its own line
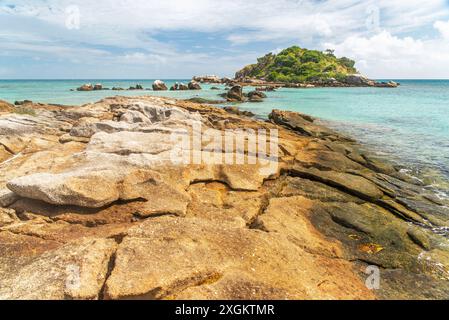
point(298, 67)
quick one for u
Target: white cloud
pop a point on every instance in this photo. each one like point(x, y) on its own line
point(142, 58)
point(255, 20)
point(127, 31)
point(443, 28)
point(386, 56)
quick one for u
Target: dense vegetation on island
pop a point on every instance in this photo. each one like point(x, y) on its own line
point(296, 65)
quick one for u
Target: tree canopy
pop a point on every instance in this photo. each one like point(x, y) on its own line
point(296, 65)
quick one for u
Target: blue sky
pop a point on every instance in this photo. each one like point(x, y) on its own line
point(50, 39)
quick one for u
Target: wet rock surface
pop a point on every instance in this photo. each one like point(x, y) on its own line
point(94, 207)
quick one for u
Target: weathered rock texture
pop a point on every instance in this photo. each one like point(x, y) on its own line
point(94, 207)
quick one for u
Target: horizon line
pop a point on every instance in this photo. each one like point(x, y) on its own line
point(170, 79)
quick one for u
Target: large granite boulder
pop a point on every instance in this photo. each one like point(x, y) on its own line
point(256, 96)
point(193, 85)
point(136, 87)
point(86, 87)
point(92, 187)
point(159, 85)
point(98, 87)
point(179, 87)
point(358, 80)
point(235, 94)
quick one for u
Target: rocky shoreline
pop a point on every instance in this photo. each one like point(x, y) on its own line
point(355, 80)
point(92, 208)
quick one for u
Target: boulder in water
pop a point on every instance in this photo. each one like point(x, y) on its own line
point(235, 94)
point(256, 96)
point(193, 85)
point(98, 87)
point(179, 87)
point(86, 87)
point(159, 85)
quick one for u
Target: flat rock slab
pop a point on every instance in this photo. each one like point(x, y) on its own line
point(191, 258)
point(353, 184)
point(74, 271)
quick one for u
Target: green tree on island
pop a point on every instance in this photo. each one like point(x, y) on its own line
point(297, 65)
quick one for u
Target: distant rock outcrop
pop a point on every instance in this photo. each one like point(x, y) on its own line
point(256, 96)
point(159, 85)
point(266, 89)
point(207, 79)
point(136, 87)
point(193, 85)
point(86, 87)
point(98, 86)
point(179, 87)
point(235, 94)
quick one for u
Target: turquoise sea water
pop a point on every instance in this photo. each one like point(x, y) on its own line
point(409, 125)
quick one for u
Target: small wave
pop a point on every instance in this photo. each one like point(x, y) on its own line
point(443, 195)
point(442, 231)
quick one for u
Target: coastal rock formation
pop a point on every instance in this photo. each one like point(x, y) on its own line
point(362, 81)
point(22, 103)
point(256, 96)
point(235, 94)
point(237, 111)
point(86, 87)
point(159, 85)
point(358, 80)
point(389, 84)
point(179, 86)
point(266, 89)
point(109, 201)
point(193, 85)
point(136, 87)
point(5, 106)
point(207, 79)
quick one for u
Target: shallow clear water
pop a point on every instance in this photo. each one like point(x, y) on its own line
point(409, 125)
